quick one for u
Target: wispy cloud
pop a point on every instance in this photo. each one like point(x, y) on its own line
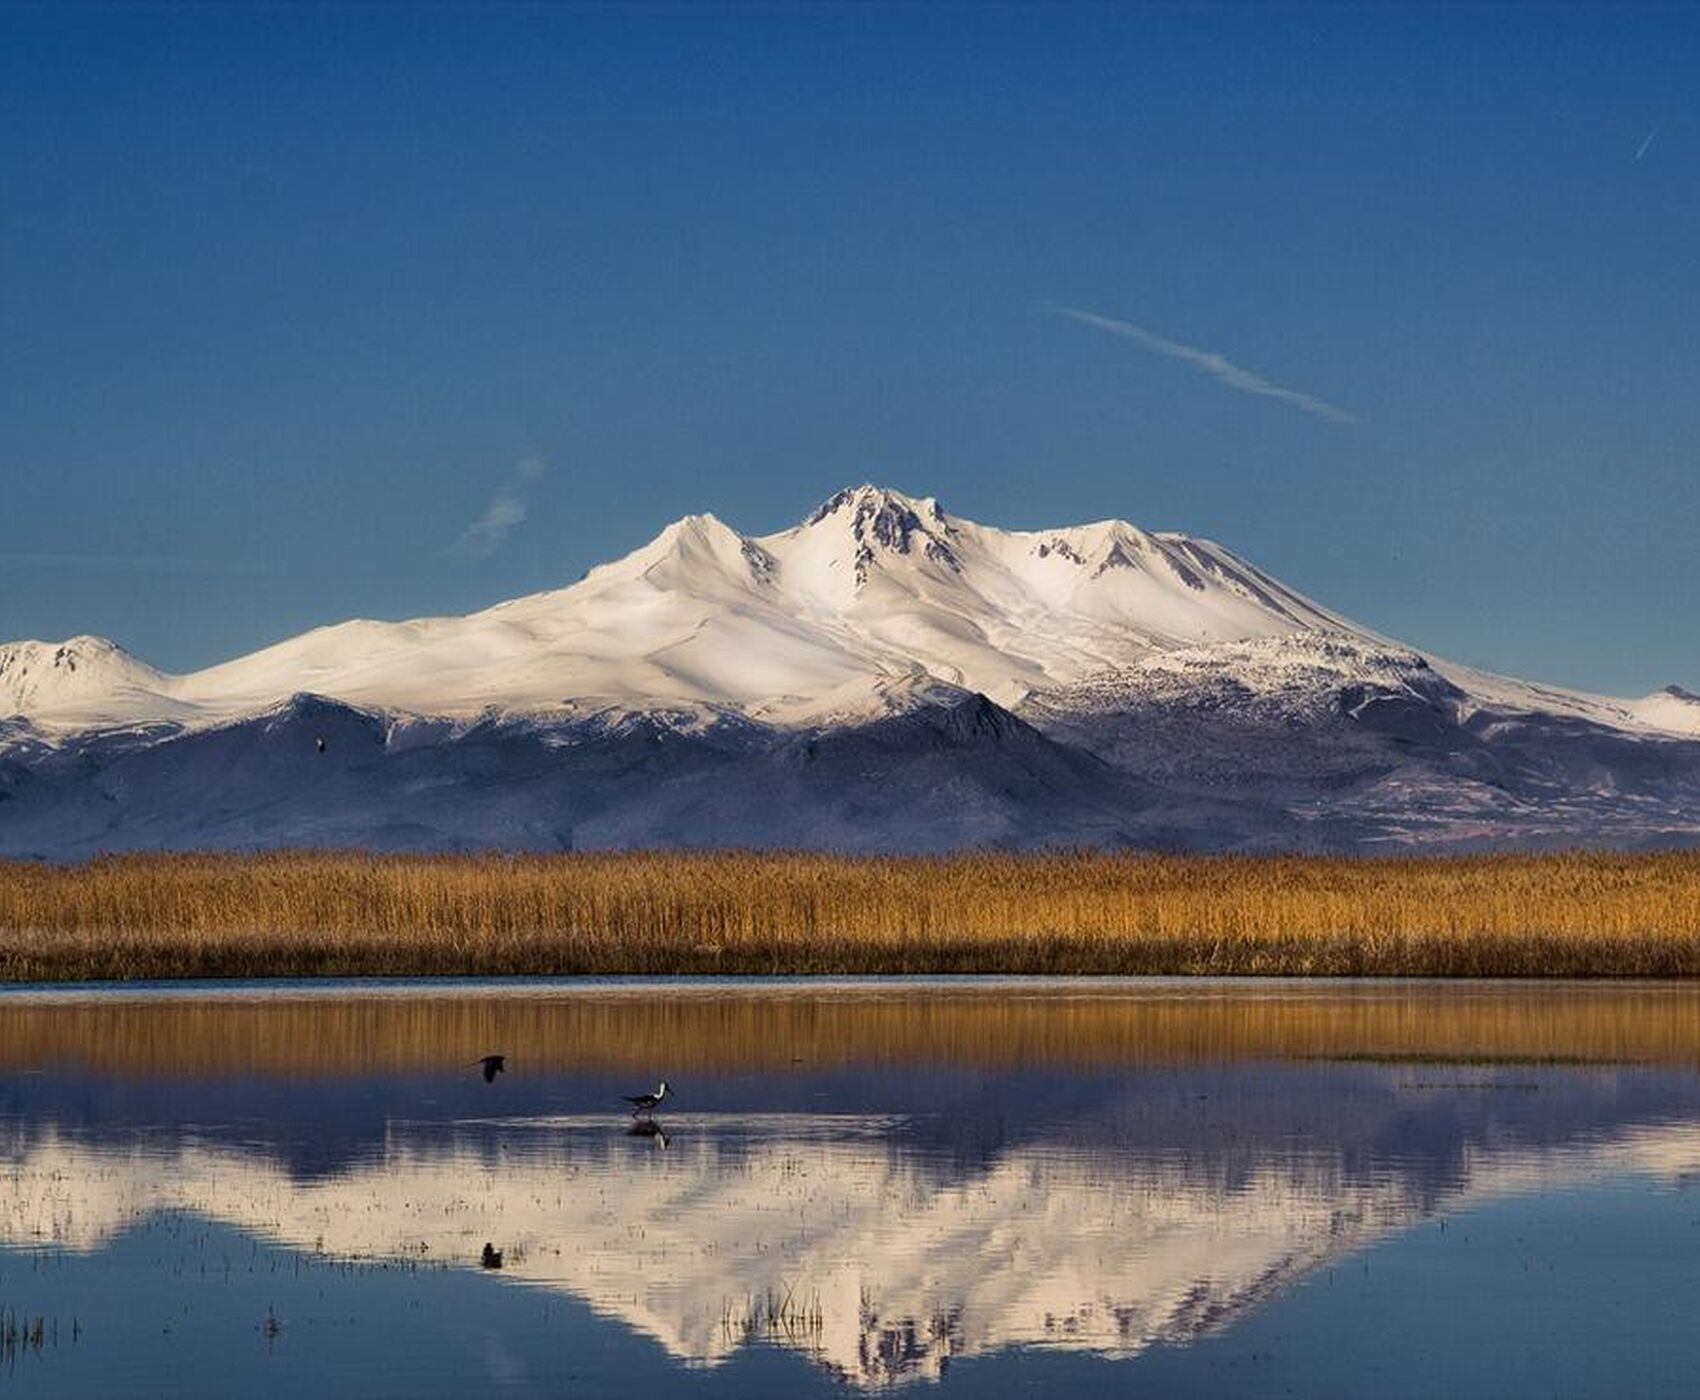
point(1645, 146)
point(507, 508)
point(1218, 367)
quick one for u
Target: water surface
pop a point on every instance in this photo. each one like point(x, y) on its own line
point(991, 1187)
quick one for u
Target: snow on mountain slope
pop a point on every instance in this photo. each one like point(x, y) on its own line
point(1005, 612)
point(1672, 708)
point(1288, 677)
point(875, 603)
point(874, 594)
point(83, 680)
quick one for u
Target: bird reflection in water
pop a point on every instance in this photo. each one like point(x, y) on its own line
point(648, 1128)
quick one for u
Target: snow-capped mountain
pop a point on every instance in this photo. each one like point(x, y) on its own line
point(1110, 656)
point(875, 591)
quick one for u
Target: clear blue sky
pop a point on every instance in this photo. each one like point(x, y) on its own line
point(288, 295)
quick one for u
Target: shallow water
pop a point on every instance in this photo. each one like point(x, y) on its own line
point(1001, 1188)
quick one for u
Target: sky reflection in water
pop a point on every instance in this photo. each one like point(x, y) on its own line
point(1240, 1190)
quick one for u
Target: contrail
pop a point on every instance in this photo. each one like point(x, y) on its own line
point(1646, 142)
point(1218, 367)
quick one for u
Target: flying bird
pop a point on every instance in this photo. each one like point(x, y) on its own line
point(492, 1065)
point(645, 1103)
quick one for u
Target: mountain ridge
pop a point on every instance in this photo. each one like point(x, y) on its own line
point(881, 676)
point(806, 625)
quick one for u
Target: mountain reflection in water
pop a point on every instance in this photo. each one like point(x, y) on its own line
point(884, 1205)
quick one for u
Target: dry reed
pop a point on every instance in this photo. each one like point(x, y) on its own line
point(330, 914)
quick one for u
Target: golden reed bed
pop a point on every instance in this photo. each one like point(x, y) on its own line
point(327, 914)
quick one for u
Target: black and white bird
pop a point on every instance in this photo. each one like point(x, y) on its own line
point(492, 1065)
point(645, 1103)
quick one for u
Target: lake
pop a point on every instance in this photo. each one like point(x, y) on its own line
point(993, 1187)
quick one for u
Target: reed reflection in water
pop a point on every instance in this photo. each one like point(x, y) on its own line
point(753, 1025)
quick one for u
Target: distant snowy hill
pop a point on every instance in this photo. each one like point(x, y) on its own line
point(881, 676)
point(80, 682)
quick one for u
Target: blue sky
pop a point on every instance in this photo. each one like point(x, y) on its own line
point(309, 312)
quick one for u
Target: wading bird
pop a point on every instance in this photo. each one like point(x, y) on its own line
point(645, 1103)
point(492, 1065)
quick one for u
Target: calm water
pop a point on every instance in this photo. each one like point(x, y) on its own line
point(992, 1188)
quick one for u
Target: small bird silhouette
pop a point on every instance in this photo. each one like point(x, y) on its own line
point(491, 1258)
point(645, 1103)
point(321, 745)
point(492, 1065)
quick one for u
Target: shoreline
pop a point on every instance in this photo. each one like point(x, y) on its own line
point(1156, 989)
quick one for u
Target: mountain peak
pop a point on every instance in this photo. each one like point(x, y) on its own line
point(869, 500)
point(880, 520)
point(46, 678)
point(74, 654)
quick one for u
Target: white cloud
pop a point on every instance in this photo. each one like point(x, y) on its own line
point(488, 533)
point(507, 509)
point(1218, 367)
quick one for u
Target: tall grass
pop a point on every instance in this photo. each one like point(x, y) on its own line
point(313, 913)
